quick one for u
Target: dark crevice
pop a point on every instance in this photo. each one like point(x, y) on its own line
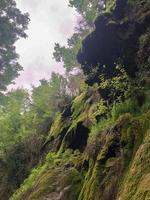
point(67, 111)
point(54, 143)
point(78, 138)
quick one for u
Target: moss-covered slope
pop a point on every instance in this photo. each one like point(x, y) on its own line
point(97, 158)
point(98, 149)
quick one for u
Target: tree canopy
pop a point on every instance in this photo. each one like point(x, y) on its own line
point(87, 10)
point(12, 26)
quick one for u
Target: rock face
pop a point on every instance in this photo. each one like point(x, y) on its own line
point(110, 161)
point(93, 155)
point(117, 39)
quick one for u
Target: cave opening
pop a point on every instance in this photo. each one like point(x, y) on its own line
point(78, 139)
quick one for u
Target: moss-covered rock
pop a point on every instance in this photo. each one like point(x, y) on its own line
point(58, 178)
point(101, 149)
point(117, 157)
point(136, 183)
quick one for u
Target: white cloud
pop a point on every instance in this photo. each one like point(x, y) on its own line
point(51, 21)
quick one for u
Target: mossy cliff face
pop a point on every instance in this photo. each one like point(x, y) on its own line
point(96, 151)
point(97, 158)
point(121, 166)
point(121, 35)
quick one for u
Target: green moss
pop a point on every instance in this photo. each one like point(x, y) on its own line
point(97, 109)
point(74, 181)
point(87, 106)
point(56, 127)
point(110, 5)
point(138, 175)
point(129, 106)
point(78, 105)
point(58, 130)
point(103, 175)
point(85, 110)
point(114, 153)
point(91, 182)
point(115, 162)
point(57, 174)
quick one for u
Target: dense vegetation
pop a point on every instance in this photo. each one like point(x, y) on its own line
point(84, 135)
point(12, 26)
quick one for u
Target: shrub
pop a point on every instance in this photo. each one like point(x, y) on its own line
point(128, 106)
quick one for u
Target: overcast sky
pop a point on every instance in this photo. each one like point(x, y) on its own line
point(51, 21)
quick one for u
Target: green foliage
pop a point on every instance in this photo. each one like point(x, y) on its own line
point(89, 104)
point(129, 106)
point(22, 117)
point(13, 24)
point(88, 9)
point(78, 104)
point(54, 175)
point(67, 55)
point(115, 128)
point(118, 87)
point(56, 127)
point(137, 176)
point(110, 5)
point(17, 162)
point(101, 125)
point(108, 172)
point(11, 118)
point(48, 99)
point(98, 109)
